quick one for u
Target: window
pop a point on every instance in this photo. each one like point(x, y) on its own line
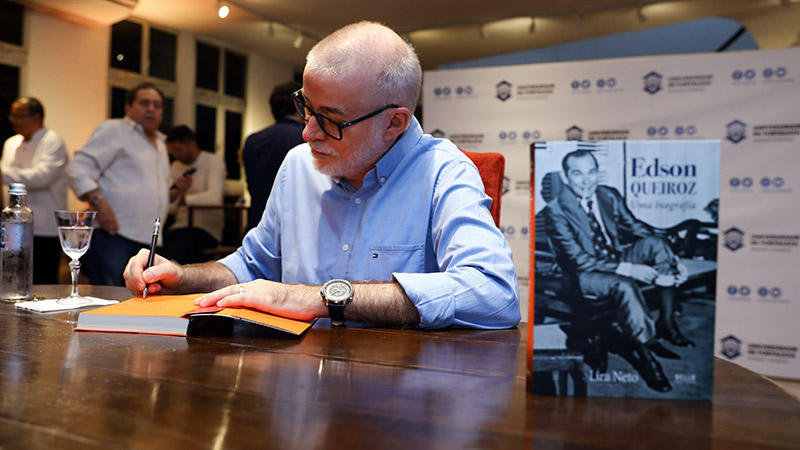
point(220, 80)
point(162, 54)
point(9, 90)
point(233, 140)
point(11, 19)
point(126, 46)
point(207, 67)
point(235, 74)
point(206, 127)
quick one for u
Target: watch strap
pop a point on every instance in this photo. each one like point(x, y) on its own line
point(336, 313)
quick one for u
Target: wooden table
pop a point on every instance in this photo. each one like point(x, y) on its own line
point(337, 388)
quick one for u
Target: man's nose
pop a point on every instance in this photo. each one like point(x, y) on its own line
point(312, 131)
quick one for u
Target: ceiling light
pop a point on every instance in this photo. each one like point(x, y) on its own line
point(298, 41)
point(271, 29)
point(532, 28)
point(579, 20)
point(223, 10)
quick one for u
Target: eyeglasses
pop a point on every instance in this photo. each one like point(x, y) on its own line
point(329, 126)
point(13, 117)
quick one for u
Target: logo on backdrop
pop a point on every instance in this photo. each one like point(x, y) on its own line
point(736, 131)
point(664, 132)
point(652, 82)
point(733, 239)
point(540, 91)
point(768, 74)
point(584, 86)
point(513, 136)
point(503, 90)
point(731, 347)
point(763, 294)
point(767, 185)
point(464, 140)
point(461, 92)
point(574, 133)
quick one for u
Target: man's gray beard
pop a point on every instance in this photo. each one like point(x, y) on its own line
point(340, 168)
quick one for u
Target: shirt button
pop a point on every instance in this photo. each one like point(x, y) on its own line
point(358, 200)
point(345, 247)
point(383, 179)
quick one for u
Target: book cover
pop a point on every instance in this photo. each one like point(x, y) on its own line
point(623, 268)
point(176, 315)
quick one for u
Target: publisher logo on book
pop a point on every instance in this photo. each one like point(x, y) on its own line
point(438, 134)
point(731, 347)
point(574, 133)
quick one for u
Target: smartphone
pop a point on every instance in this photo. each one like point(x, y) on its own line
point(189, 171)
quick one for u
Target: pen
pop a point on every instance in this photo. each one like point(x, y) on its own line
point(156, 226)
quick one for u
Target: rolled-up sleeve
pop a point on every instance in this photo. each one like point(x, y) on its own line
point(476, 285)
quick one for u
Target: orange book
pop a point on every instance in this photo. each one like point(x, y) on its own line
point(174, 315)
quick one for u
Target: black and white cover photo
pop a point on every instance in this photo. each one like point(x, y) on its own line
point(624, 254)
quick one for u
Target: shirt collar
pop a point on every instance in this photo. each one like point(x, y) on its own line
point(401, 148)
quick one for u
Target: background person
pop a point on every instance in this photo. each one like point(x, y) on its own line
point(204, 187)
point(123, 172)
point(264, 150)
point(370, 199)
point(37, 157)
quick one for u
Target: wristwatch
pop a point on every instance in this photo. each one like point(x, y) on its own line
point(336, 294)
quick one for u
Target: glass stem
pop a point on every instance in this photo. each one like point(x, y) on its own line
point(75, 266)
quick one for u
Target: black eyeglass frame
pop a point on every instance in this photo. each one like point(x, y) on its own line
point(301, 107)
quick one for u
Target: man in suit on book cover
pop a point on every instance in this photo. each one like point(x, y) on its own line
point(611, 254)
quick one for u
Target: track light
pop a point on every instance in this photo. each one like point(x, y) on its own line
point(298, 41)
point(579, 20)
point(223, 10)
point(482, 31)
point(532, 27)
point(271, 29)
point(640, 15)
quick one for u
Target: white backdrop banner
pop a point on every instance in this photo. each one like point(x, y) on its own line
point(748, 100)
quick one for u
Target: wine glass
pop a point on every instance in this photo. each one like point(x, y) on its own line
point(75, 232)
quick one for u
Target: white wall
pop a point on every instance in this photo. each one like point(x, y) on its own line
point(67, 70)
point(262, 76)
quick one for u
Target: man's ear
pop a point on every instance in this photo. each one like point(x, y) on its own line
point(399, 120)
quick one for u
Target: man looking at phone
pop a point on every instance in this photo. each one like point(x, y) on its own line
point(198, 179)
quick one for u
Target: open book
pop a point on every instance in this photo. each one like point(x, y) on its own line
point(176, 315)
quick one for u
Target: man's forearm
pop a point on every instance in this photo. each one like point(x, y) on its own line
point(205, 277)
point(381, 303)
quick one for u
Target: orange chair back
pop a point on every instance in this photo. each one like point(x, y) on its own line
point(492, 169)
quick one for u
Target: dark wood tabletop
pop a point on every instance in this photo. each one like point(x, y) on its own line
point(337, 388)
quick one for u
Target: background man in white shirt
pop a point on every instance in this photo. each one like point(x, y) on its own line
point(123, 172)
point(37, 157)
point(205, 186)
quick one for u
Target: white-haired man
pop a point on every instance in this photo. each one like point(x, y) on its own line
point(390, 225)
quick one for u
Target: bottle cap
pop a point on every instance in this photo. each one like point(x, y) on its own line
point(17, 189)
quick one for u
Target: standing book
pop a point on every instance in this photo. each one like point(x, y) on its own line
point(594, 328)
point(177, 315)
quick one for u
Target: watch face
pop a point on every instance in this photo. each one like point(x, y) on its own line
point(337, 291)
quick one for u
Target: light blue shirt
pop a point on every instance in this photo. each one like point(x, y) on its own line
point(420, 217)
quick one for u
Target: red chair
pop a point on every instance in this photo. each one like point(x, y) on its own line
point(492, 169)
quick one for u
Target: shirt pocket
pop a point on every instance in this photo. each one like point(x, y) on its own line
point(387, 259)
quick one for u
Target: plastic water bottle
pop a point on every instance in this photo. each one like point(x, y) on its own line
point(16, 247)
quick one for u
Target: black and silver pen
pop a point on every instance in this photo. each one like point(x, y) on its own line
point(156, 227)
